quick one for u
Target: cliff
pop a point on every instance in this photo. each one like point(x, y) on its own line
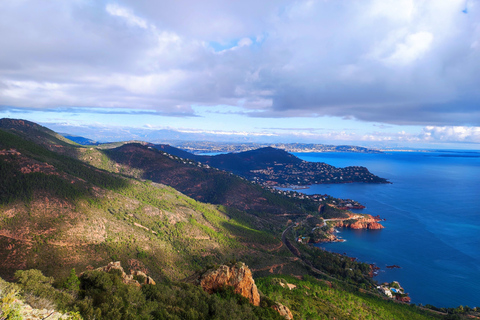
point(363, 222)
point(237, 276)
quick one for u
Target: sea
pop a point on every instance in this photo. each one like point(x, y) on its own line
point(432, 226)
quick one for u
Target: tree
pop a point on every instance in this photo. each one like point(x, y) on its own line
point(73, 282)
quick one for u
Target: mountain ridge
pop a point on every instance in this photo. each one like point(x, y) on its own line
point(64, 217)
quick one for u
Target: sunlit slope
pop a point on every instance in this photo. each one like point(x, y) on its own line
point(57, 212)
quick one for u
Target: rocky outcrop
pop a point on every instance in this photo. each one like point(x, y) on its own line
point(365, 225)
point(362, 222)
point(237, 276)
point(135, 277)
point(283, 311)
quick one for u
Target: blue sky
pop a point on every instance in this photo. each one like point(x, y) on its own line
point(373, 72)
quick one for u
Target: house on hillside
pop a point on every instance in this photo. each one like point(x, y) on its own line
point(386, 291)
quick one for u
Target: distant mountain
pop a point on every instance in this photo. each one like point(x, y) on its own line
point(80, 140)
point(251, 160)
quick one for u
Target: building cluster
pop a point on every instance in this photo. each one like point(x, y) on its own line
point(394, 291)
point(305, 173)
point(210, 147)
point(298, 195)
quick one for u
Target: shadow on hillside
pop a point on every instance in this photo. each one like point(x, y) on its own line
point(27, 167)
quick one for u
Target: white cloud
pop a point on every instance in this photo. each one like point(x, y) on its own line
point(393, 10)
point(128, 15)
point(412, 48)
point(245, 42)
point(451, 134)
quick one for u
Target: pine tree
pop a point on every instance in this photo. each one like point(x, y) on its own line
point(72, 283)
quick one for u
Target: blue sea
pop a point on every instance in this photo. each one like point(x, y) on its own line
point(432, 227)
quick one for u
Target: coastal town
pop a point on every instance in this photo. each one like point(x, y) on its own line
point(205, 147)
point(343, 204)
point(307, 173)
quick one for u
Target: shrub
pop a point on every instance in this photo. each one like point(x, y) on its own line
point(9, 308)
point(39, 292)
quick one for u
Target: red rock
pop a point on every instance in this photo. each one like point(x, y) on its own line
point(368, 222)
point(237, 276)
point(405, 299)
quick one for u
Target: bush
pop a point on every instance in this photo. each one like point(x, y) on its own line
point(39, 292)
point(9, 308)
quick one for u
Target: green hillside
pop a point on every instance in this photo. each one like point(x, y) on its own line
point(56, 208)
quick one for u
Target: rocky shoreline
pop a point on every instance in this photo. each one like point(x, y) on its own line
point(328, 232)
point(357, 222)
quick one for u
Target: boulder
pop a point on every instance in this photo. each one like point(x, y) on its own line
point(237, 276)
point(283, 311)
point(131, 278)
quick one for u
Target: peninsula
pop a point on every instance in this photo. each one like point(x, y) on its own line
point(275, 167)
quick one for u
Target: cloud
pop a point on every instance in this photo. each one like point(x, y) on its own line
point(451, 134)
point(392, 62)
point(413, 48)
point(128, 15)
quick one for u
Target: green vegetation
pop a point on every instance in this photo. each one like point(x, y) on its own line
point(339, 266)
point(314, 299)
point(103, 295)
point(329, 212)
point(38, 290)
point(312, 230)
point(9, 307)
point(141, 220)
point(205, 184)
point(72, 284)
point(19, 186)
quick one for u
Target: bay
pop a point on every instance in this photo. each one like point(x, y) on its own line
point(432, 227)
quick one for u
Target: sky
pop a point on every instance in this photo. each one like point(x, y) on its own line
point(387, 73)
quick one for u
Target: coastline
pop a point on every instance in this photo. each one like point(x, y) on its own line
point(432, 228)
